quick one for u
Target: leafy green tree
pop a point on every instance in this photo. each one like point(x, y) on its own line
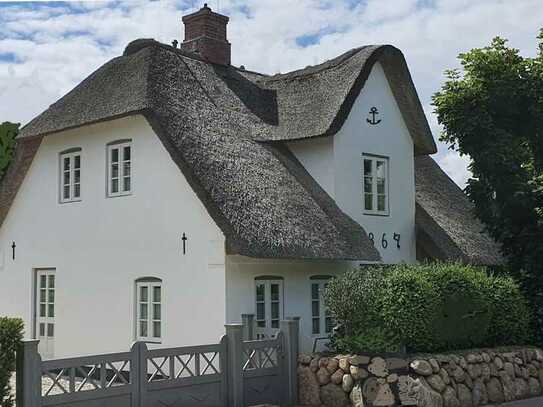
point(493, 112)
point(8, 131)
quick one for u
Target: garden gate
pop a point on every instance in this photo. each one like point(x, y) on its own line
point(231, 373)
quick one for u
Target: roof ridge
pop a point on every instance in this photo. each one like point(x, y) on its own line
point(318, 68)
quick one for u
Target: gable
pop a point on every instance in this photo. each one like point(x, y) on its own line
point(316, 101)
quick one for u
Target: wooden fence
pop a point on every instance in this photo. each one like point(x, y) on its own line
point(231, 373)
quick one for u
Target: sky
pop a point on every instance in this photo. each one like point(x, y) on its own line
point(47, 48)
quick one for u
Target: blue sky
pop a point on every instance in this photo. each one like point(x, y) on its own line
point(46, 48)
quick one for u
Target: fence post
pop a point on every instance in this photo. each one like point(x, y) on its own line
point(248, 321)
point(28, 374)
point(291, 331)
point(138, 373)
point(236, 393)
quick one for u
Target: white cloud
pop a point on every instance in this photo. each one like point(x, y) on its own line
point(57, 46)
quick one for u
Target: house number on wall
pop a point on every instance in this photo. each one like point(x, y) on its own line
point(373, 112)
point(384, 241)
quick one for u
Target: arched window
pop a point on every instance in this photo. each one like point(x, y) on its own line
point(268, 304)
point(149, 309)
point(321, 320)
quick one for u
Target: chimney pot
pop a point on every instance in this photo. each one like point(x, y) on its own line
point(205, 34)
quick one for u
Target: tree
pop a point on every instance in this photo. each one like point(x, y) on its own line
point(493, 112)
point(8, 131)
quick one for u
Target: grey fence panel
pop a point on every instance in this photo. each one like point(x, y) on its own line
point(232, 373)
point(263, 366)
point(187, 376)
point(99, 380)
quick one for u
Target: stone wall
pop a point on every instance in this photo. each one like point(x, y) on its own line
point(460, 379)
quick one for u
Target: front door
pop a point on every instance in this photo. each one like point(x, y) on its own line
point(45, 312)
point(269, 307)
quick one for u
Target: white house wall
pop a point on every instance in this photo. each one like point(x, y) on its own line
point(317, 156)
point(240, 288)
point(100, 246)
point(341, 155)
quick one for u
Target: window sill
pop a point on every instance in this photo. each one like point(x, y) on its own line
point(70, 201)
point(119, 195)
point(377, 214)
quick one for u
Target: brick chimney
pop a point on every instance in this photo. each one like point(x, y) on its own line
point(205, 34)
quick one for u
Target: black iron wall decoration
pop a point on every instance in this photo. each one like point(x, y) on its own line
point(184, 240)
point(13, 246)
point(373, 113)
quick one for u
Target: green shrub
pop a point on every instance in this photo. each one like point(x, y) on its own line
point(372, 339)
point(512, 318)
point(465, 309)
point(409, 306)
point(11, 333)
point(352, 298)
point(427, 307)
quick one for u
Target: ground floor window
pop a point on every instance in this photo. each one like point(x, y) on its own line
point(321, 319)
point(149, 309)
point(269, 302)
point(45, 311)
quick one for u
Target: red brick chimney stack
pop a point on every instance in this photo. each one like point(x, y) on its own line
point(205, 34)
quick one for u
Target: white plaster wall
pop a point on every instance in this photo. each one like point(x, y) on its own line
point(240, 288)
point(100, 245)
point(342, 156)
point(317, 156)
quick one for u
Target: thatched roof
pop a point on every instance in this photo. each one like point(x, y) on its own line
point(260, 196)
point(225, 129)
point(446, 225)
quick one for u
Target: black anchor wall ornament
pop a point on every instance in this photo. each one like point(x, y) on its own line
point(373, 112)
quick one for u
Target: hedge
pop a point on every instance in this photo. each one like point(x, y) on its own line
point(11, 333)
point(426, 308)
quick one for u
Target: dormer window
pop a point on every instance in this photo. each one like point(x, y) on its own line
point(119, 162)
point(375, 184)
point(70, 176)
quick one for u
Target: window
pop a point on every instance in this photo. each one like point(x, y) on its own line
point(70, 176)
point(45, 311)
point(321, 320)
point(149, 309)
point(375, 185)
point(119, 160)
point(269, 302)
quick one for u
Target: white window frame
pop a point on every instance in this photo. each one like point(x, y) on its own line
point(150, 318)
point(45, 311)
point(374, 159)
point(268, 324)
point(71, 172)
point(121, 172)
point(325, 323)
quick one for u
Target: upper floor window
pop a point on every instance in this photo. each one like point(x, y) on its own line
point(321, 319)
point(149, 309)
point(375, 184)
point(119, 159)
point(70, 176)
